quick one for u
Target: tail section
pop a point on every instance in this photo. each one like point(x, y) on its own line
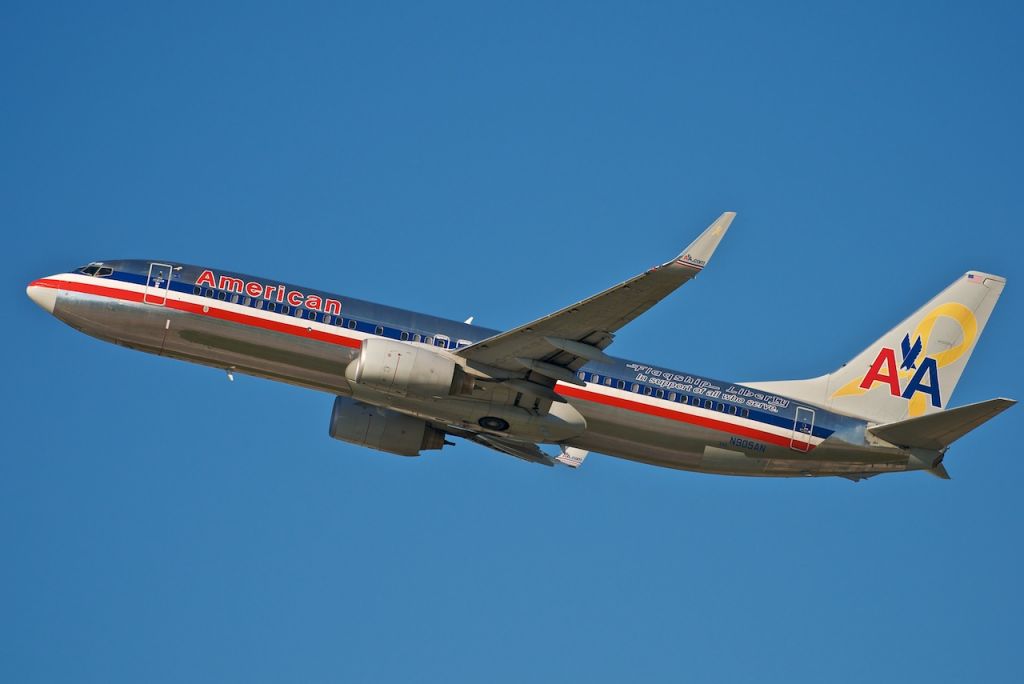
point(913, 369)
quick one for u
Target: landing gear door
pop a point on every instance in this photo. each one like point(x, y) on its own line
point(803, 426)
point(158, 283)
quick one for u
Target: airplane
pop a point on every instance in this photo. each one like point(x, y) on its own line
point(546, 391)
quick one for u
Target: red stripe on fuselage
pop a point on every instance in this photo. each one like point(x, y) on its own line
point(189, 307)
point(700, 421)
point(565, 390)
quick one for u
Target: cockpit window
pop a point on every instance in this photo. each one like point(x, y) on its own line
point(96, 269)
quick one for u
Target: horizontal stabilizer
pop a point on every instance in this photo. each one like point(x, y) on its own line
point(939, 430)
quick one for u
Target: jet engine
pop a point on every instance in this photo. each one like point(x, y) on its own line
point(406, 370)
point(382, 429)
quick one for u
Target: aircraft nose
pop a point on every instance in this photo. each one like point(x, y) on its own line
point(42, 294)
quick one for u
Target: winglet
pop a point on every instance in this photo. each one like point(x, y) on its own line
point(698, 253)
point(572, 456)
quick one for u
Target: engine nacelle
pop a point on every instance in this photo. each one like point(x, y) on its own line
point(382, 429)
point(405, 370)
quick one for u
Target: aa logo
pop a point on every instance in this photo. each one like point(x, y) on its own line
point(925, 378)
point(913, 372)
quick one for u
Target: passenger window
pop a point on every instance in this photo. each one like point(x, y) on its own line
point(351, 324)
point(209, 293)
point(746, 413)
point(684, 399)
point(428, 339)
point(258, 303)
point(271, 306)
point(404, 336)
point(379, 330)
point(596, 379)
point(671, 396)
point(648, 391)
point(581, 375)
point(222, 295)
point(197, 290)
point(607, 382)
point(634, 387)
point(732, 410)
point(234, 299)
point(415, 337)
point(708, 404)
point(285, 309)
point(441, 342)
point(244, 301)
point(660, 394)
point(620, 384)
point(720, 408)
point(328, 319)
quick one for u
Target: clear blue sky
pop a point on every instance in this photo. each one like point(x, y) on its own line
point(160, 524)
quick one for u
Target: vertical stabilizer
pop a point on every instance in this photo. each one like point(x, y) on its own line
point(913, 369)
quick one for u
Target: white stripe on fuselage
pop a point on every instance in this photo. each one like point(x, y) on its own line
point(223, 305)
point(341, 332)
point(693, 410)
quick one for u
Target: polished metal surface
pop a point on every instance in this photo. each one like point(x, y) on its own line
point(153, 326)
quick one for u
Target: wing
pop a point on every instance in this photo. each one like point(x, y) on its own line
point(552, 347)
point(527, 451)
point(524, 450)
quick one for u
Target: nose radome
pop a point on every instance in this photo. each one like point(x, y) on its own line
point(43, 295)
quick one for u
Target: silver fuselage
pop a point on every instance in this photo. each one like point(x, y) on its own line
point(633, 411)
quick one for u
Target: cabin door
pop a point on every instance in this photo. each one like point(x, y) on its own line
point(803, 425)
point(158, 283)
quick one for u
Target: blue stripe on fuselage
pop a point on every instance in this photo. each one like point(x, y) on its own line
point(395, 321)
